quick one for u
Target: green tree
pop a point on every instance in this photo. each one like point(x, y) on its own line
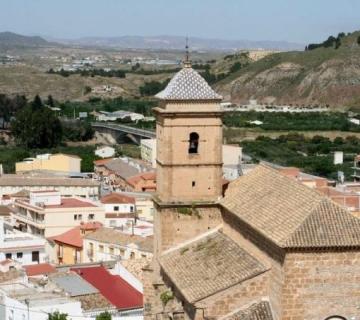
point(57, 316)
point(358, 40)
point(50, 101)
point(36, 104)
point(104, 316)
point(37, 127)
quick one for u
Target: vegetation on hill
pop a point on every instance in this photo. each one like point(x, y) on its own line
point(314, 156)
point(97, 104)
point(36, 126)
point(314, 121)
point(322, 75)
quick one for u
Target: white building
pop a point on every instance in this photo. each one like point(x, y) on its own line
point(105, 152)
point(48, 214)
point(232, 159)
point(120, 114)
point(148, 151)
point(23, 248)
point(21, 301)
point(68, 187)
point(107, 244)
point(119, 209)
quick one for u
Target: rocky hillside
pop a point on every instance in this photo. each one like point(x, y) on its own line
point(329, 74)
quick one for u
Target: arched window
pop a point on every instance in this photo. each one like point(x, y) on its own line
point(193, 142)
point(335, 318)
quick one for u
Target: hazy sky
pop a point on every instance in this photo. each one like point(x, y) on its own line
point(293, 20)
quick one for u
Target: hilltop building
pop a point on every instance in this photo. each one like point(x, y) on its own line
point(271, 248)
point(61, 163)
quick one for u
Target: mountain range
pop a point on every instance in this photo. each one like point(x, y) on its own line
point(166, 42)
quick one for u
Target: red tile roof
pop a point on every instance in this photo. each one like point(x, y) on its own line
point(114, 198)
point(39, 269)
point(115, 289)
point(147, 176)
point(71, 203)
point(72, 238)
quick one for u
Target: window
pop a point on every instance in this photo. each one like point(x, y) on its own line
point(91, 216)
point(122, 252)
point(132, 255)
point(101, 248)
point(8, 256)
point(193, 184)
point(335, 318)
point(112, 223)
point(116, 208)
point(131, 209)
point(77, 216)
point(19, 255)
point(111, 250)
point(35, 256)
point(193, 142)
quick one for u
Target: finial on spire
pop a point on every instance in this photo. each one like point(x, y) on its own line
point(187, 62)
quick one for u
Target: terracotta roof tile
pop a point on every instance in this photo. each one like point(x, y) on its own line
point(71, 237)
point(288, 212)
point(256, 311)
point(114, 198)
point(209, 265)
point(39, 269)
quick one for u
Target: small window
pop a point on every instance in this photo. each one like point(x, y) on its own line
point(193, 142)
point(35, 256)
point(131, 209)
point(75, 217)
point(19, 255)
point(101, 248)
point(91, 216)
point(8, 256)
point(112, 223)
point(116, 208)
point(111, 250)
point(79, 216)
point(193, 184)
point(132, 255)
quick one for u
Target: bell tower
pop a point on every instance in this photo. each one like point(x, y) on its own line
point(189, 170)
point(189, 140)
point(189, 159)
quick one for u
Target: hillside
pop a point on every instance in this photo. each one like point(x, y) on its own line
point(10, 40)
point(324, 75)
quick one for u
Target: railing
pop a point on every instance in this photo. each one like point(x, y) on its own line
point(127, 129)
point(27, 218)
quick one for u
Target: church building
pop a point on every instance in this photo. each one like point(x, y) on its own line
point(270, 248)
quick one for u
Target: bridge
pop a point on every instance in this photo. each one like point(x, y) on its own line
point(135, 134)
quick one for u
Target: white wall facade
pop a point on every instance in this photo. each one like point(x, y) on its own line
point(105, 152)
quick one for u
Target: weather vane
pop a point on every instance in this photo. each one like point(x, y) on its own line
point(187, 62)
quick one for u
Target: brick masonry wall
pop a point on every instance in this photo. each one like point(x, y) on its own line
point(231, 299)
point(321, 284)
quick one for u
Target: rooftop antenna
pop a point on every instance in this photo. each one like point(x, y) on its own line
point(187, 63)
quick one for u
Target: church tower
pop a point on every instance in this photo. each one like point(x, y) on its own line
point(189, 171)
point(189, 159)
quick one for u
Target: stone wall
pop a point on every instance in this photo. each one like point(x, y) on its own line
point(321, 284)
point(239, 295)
point(173, 227)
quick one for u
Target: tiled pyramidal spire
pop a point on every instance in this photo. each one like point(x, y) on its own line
point(187, 84)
